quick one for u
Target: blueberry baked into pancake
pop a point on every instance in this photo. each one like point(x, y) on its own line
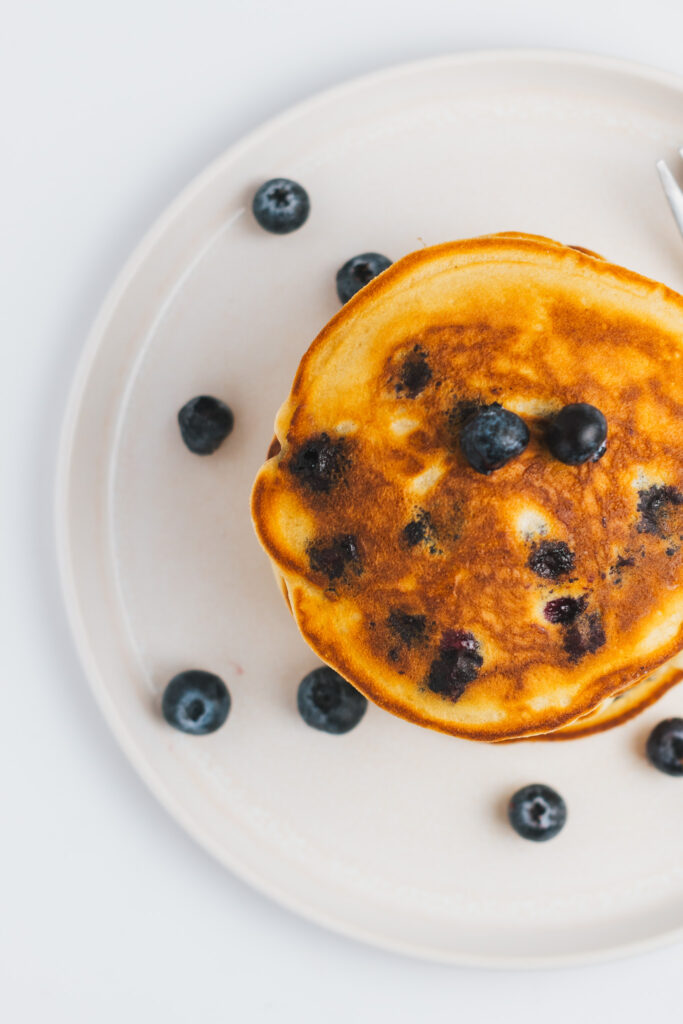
point(474, 503)
point(612, 711)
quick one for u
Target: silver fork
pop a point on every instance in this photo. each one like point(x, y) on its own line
point(672, 190)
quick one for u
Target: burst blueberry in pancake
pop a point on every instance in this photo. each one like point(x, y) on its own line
point(490, 605)
point(613, 711)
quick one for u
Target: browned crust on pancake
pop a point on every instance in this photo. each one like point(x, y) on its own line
point(587, 252)
point(633, 700)
point(625, 706)
point(402, 268)
point(350, 658)
point(366, 683)
point(588, 727)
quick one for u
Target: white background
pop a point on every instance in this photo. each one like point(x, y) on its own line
point(108, 912)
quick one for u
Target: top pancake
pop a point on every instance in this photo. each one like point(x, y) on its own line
point(411, 573)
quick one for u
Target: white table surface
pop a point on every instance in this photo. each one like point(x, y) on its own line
point(108, 911)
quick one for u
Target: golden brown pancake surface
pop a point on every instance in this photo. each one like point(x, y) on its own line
point(431, 586)
point(624, 705)
point(613, 711)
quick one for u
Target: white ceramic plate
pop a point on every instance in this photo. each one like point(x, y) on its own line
point(392, 834)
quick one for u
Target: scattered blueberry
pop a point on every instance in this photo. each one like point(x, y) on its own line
point(196, 702)
point(584, 636)
point(359, 271)
point(492, 437)
point(205, 422)
point(415, 374)
point(320, 462)
point(551, 559)
point(281, 206)
point(420, 529)
point(654, 505)
point(578, 433)
point(409, 629)
point(564, 610)
point(537, 812)
point(665, 746)
point(335, 556)
point(327, 702)
point(414, 532)
point(456, 665)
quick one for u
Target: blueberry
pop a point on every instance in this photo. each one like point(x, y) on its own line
point(281, 206)
point(492, 437)
point(415, 374)
point(320, 462)
point(409, 629)
point(584, 636)
point(564, 610)
point(420, 529)
point(359, 271)
point(196, 702)
point(327, 702)
point(551, 559)
point(655, 505)
point(205, 422)
point(456, 665)
point(336, 556)
point(537, 812)
point(578, 433)
point(665, 746)
point(414, 531)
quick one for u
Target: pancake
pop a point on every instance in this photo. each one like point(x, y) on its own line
point(611, 712)
point(623, 706)
point(404, 567)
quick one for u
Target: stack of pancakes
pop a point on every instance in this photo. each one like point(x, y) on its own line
point(432, 587)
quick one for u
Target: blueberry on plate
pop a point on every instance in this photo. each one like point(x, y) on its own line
point(492, 437)
point(205, 422)
point(196, 702)
point(537, 812)
point(359, 271)
point(281, 206)
point(327, 702)
point(665, 746)
point(578, 433)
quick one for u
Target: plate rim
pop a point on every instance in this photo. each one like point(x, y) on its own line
point(61, 496)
